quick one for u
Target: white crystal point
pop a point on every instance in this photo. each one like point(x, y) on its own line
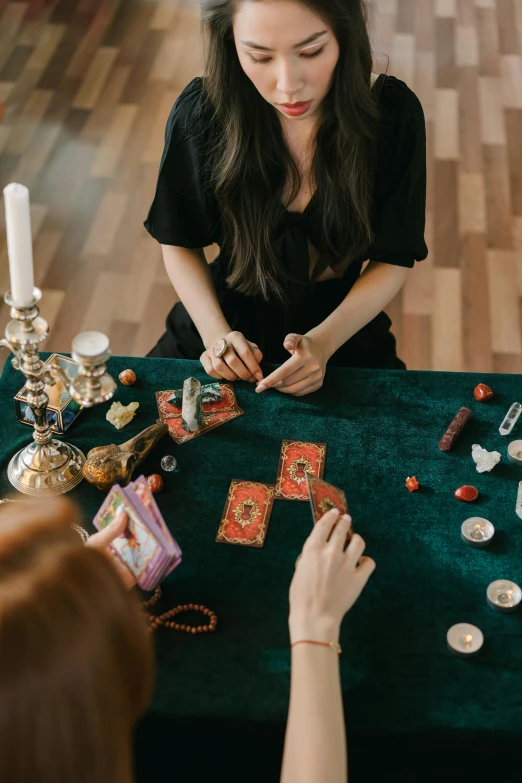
point(192, 411)
point(485, 460)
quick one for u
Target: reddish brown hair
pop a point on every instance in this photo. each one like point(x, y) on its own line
point(75, 657)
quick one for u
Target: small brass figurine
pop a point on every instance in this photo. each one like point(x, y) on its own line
point(109, 465)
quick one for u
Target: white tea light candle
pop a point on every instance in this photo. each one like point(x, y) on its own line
point(477, 532)
point(504, 596)
point(464, 639)
point(90, 344)
point(19, 243)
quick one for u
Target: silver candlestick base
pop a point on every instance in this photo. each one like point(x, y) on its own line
point(49, 466)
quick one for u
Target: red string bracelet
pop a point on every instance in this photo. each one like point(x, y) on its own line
point(333, 645)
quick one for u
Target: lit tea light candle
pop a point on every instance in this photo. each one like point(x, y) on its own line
point(465, 639)
point(514, 452)
point(503, 595)
point(89, 345)
point(477, 532)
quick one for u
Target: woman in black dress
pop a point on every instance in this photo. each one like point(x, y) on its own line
point(301, 165)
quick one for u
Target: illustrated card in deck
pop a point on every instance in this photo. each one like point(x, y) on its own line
point(246, 514)
point(138, 548)
point(297, 460)
point(324, 496)
point(144, 495)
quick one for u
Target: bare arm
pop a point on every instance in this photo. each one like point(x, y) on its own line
point(189, 274)
point(374, 289)
point(327, 582)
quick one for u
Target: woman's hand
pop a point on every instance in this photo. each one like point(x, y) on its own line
point(240, 361)
point(304, 372)
point(105, 537)
point(328, 579)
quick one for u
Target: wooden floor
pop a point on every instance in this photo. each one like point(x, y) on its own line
point(86, 87)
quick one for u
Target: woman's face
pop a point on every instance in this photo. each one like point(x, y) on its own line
point(288, 52)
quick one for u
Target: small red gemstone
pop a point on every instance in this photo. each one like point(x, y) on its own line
point(483, 392)
point(155, 483)
point(467, 493)
point(412, 483)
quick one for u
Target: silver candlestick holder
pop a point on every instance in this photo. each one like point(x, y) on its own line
point(49, 466)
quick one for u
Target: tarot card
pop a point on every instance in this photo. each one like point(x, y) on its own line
point(296, 462)
point(228, 402)
point(137, 548)
point(324, 496)
point(247, 513)
point(210, 422)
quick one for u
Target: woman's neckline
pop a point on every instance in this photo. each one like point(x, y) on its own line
point(379, 78)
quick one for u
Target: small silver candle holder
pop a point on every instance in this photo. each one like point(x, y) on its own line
point(464, 639)
point(49, 466)
point(503, 595)
point(477, 532)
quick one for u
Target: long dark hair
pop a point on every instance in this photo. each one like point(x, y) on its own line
point(75, 655)
point(250, 163)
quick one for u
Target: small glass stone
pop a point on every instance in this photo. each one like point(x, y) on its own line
point(169, 464)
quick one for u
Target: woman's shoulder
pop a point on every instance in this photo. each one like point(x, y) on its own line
point(398, 102)
point(192, 112)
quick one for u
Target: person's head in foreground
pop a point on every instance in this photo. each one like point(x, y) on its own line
point(75, 656)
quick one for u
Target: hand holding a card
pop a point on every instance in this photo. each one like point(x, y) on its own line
point(328, 579)
point(104, 539)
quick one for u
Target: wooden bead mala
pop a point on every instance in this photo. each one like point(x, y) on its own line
point(164, 619)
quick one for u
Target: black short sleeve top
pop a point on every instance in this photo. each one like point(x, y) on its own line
point(185, 213)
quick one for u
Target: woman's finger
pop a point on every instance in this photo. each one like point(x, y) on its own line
point(311, 382)
point(354, 551)
point(246, 354)
point(300, 375)
point(207, 366)
point(235, 364)
point(340, 531)
point(365, 569)
point(102, 539)
point(290, 366)
point(308, 389)
point(323, 528)
point(223, 369)
point(258, 354)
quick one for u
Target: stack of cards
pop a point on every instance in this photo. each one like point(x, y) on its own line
point(146, 547)
point(214, 413)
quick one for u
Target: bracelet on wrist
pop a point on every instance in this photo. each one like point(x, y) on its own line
point(333, 645)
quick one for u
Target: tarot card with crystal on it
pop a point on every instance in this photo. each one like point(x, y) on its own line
point(137, 547)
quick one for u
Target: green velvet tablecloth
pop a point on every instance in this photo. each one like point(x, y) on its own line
point(221, 700)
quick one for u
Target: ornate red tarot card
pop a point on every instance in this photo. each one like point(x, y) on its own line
point(324, 496)
point(210, 422)
point(228, 402)
point(297, 460)
point(246, 514)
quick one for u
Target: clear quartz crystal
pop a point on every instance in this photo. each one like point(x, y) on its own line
point(518, 507)
point(169, 463)
point(510, 419)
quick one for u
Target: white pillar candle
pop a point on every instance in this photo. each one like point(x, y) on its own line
point(19, 243)
point(90, 344)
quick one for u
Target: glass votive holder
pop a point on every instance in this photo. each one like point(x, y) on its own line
point(477, 532)
point(504, 596)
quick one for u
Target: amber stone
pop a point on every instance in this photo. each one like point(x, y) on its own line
point(155, 483)
point(467, 493)
point(483, 392)
point(127, 377)
point(412, 483)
